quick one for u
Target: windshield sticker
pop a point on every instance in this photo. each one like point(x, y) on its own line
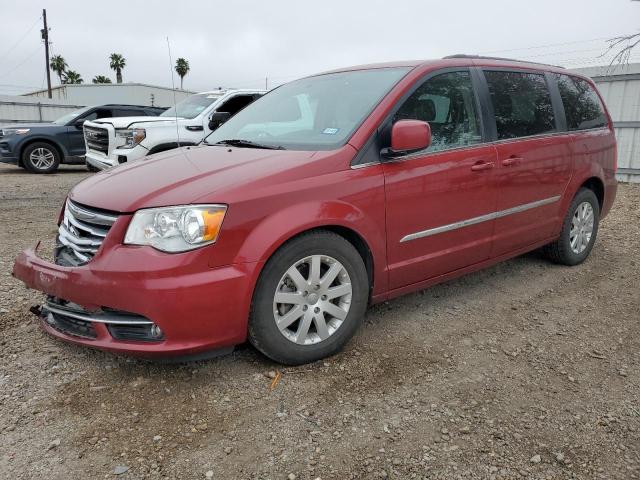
point(330, 131)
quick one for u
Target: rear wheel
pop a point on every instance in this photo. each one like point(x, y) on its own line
point(579, 230)
point(310, 299)
point(41, 157)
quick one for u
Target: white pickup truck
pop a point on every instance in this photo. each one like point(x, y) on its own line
point(112, 141)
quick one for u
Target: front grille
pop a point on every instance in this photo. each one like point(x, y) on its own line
point(81, 232)
point(97, 139)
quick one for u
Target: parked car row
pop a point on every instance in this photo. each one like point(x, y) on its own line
point(325, 195)
point(108, 135)
point(42, 147)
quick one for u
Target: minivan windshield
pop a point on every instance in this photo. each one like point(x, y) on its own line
point(191, 106)
point(63, 120)
point(313, 113)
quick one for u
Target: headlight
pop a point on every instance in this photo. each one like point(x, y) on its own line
point(176, 229)
point(131, 136)
point(14, 131)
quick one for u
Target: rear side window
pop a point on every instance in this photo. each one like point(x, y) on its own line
point(521, 102)
point(447, 103)
point(582, 106)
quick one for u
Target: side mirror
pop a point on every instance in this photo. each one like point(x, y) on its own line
point(408, 136)
point(218, 118)
point(78, 123)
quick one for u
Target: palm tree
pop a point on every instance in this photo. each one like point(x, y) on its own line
point(182, 68)
point(58, 65)
point(118, 62)
point(72, 78)
point(101, 79)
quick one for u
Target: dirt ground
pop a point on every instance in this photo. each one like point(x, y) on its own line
point(525, 370)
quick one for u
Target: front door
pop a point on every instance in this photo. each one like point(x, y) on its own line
point(534, 159)
point(440, 202)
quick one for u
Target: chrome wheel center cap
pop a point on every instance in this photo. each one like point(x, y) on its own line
point(312, 298)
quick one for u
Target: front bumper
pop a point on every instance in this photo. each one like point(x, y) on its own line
point(98, 160)
point(116, 157)
point(7, 153)
point(198, 308)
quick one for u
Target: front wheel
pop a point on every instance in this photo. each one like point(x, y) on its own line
point(310, 299)
point(41, 157)
point(579, 230)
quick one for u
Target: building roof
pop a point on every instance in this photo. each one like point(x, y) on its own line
point(102, 85)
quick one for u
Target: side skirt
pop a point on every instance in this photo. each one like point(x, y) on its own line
point(414, 287)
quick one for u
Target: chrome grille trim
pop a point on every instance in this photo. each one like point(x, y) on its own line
point(98, 317)
point(83, 230)
point(97, 139)
point(81, 213)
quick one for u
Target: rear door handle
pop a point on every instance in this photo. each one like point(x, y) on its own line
point(507, 162)
point(482, 166)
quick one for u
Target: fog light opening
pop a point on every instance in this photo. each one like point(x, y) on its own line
point(156, 332)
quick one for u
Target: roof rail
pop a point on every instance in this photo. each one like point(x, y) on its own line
point(483, 57)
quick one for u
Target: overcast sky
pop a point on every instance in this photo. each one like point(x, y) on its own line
point(239, 43)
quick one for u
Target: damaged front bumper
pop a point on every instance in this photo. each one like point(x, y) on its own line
point(138, 301)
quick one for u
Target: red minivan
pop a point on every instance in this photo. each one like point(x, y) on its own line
point(328, 194)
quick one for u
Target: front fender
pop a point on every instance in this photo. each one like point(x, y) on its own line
point(25, 141)
point(273, 231)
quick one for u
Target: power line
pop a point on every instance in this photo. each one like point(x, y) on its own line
point(20, 39)
point(21, 63)
point(546, 46)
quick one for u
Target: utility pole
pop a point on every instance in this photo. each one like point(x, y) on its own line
point(45, 38)
point(266, 83)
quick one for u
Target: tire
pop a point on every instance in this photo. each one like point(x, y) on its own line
point(340, 266)
point(571, 248)
point(41, 157)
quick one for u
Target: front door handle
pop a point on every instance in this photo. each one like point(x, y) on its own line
point(508, 162)
point(482, 166)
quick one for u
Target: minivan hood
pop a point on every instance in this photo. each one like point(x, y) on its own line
point(182, 176)
point(124, 122)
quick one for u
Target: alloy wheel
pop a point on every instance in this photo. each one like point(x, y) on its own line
point(42, 158)
point(581, 228)
point(312, 299)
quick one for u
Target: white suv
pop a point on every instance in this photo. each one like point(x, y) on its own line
point(112, 141)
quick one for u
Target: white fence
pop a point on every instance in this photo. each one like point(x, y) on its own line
point(18, 109)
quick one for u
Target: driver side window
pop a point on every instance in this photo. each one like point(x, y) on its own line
point(447, 103)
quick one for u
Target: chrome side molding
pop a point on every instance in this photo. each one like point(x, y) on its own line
point(480, 219)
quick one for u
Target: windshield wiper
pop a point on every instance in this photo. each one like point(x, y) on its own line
point(238, 142)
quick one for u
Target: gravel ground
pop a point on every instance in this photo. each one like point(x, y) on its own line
point(524, 370)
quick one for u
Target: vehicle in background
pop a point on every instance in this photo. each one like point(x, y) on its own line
point(328, 194)
point(41, 147)
point(112, 141)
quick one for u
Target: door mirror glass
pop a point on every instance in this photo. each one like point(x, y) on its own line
point(218, 118)
point(408, 136)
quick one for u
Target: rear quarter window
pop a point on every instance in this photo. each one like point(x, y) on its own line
point(582, 105)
